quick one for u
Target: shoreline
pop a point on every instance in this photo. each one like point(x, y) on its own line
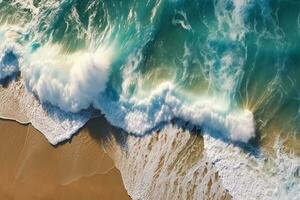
point(101, 152)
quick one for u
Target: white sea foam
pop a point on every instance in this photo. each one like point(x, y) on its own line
point(70, 81)
point(249, 177)
point(139, 116)
point(17, 104)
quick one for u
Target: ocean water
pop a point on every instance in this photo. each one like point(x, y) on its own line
point(229, 68)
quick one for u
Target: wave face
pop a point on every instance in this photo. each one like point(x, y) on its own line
point(230, 67)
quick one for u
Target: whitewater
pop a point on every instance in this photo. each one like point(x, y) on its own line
point(228, 68)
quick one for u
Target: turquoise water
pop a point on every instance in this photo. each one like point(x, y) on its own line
point(227, 65)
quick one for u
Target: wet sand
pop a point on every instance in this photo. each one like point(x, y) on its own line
point(169, 165)
point(31, 168)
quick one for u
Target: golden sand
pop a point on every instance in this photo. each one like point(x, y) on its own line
point(30, 168)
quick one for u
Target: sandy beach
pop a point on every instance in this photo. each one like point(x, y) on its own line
point(32, 169)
